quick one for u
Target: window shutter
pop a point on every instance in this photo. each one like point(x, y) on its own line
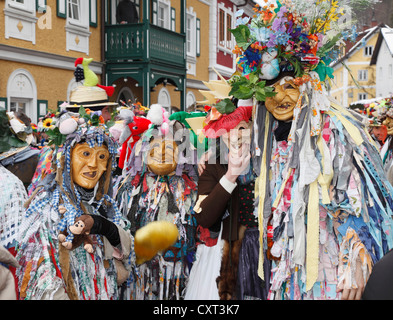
point(198, 37)
point(3, 103)
point(42, 108)
point(93, 13)
point(154, 11)
point(62, 8)
point(41, 5)
point(173, 19)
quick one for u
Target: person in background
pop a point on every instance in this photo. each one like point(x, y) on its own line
point(126, 12)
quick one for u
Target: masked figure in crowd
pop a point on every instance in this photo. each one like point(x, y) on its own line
point(227, 255)
point(323, 200)
point(160, 184)
point(75, 202)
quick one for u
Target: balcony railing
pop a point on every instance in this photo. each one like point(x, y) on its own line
point(144, 42)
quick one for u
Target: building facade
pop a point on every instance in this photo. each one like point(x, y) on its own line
point(39, 42)
point(354, 77)
point(164, 58)
point(382, 59)
point(170, 79)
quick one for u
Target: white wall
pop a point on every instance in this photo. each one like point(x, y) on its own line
point(384, 70)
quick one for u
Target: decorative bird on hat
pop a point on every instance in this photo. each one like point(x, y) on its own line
point(91, 79)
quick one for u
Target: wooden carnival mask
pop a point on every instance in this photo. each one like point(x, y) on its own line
point(88, 164)
point(239, 135)
point(163, 156)
point(282, 104)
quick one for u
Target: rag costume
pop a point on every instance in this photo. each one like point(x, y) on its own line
point(387, 149)
point(160, 184)
point(47, 269)
point(74, 205)
point(323, 200)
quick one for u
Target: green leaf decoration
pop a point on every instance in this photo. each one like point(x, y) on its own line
point(242, 35)
point(225, 106)
point(55, 137)
point(250, 86)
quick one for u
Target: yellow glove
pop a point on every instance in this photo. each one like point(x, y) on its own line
point(156, 236)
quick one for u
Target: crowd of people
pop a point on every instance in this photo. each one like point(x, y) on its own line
point(273, 192)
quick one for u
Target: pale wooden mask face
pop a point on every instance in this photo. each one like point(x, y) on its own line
point(163, 156)
point(88, 164)
point(282, 104)
point(238, 136)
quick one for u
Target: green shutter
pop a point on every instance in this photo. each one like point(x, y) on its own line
point(62, 8)
point(154, 11)
point(198, 37)
point(93, 13)
point(42, 108)
point(173, 19)
point(3, 103)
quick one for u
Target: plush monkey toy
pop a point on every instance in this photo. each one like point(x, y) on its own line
point(81, 230)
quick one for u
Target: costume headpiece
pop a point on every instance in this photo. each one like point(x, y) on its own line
point(223, 115)
point(91, 94)
point(288, 37)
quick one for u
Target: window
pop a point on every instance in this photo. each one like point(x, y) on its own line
point(20, 19)
point(362, 96)
point(368, 51)
point(22, 93)
point(74, 10)
point(225, 18)
point(363, 75)
point(191, 34)
point(164, 99)
point(18, 106)
point(390, 71)
point(163, 15)
point(27, 5)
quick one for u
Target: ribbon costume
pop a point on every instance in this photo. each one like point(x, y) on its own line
point(323, 200)
point(75, 201)
point(160, 184)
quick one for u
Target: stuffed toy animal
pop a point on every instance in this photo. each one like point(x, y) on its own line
point(133, 130)
point(81, 230)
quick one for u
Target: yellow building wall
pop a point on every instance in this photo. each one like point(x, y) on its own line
point(357, 61)
point(202, 64)
point(53, 40)
point(51, 83)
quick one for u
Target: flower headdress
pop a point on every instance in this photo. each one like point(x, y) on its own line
point(288, 36)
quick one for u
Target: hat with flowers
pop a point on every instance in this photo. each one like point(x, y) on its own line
point(288, 37)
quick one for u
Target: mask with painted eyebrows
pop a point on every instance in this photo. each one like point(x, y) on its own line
point(282, 104)
point(88, 164)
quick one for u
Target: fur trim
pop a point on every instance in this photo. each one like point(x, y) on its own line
point(226, 281)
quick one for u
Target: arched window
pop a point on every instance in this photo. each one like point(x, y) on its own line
point(22, 93)
point(190, 99)
point(126, 95)
point(164, 99)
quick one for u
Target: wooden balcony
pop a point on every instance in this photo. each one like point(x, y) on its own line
point(144, 43)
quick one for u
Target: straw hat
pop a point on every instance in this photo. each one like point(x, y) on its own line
point(94, 98)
